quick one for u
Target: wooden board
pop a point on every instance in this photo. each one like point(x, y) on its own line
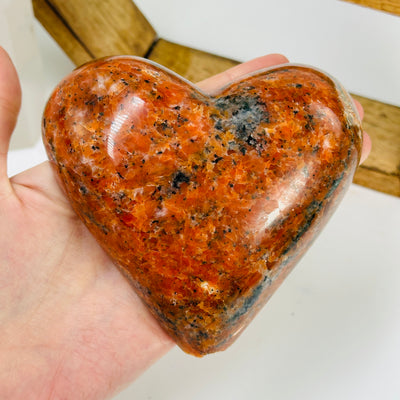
point(376, 180)
point(60, 32)
point(390, 6)
point(381, 171)
point(116, 26)
point(98, 27)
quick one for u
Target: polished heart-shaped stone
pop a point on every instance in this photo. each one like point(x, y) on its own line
point(205, 203)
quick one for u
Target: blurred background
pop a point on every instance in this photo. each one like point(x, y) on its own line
point(333, 329)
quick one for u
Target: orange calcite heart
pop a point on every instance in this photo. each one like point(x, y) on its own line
point(206, 203)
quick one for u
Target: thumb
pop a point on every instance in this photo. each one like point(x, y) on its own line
point(10, 102)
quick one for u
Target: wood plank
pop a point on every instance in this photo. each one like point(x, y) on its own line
point(382, 122)
point(107, 27)
point(65, 38)
point(390, 6)
point(192, 64)
point(376, 180)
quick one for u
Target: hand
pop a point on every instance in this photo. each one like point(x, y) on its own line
point(71, 326)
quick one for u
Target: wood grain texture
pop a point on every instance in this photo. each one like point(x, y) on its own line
point(65, 38)
point(194, 65)
point(390, 6)
point(376, 180)
point(381, 171)
point(107, 27)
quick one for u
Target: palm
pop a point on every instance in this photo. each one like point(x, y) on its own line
point(64, 301)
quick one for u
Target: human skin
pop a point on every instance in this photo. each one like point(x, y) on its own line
point(71, 327)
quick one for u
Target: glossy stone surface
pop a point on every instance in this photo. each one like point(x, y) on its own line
point(206, 203)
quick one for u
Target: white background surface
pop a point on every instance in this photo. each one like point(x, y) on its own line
point(332, 331)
